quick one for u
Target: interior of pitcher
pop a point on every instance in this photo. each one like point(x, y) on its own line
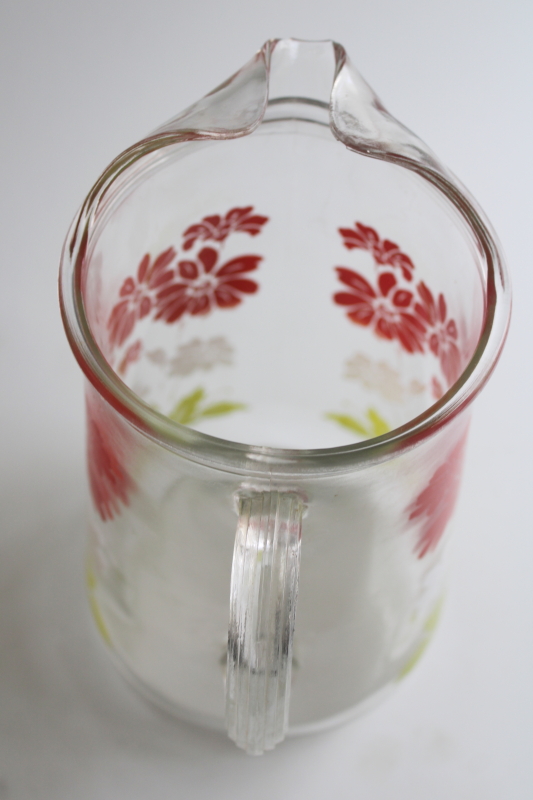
point(280, 290)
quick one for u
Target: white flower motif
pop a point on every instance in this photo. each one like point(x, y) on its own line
point(380, 377)
point(157, 356)
point(198, 354)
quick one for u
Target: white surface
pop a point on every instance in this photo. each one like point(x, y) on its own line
point(81, 81)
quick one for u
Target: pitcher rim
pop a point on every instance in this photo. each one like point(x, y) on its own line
point(241, 457)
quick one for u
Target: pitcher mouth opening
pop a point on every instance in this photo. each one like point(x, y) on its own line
point(240, 457)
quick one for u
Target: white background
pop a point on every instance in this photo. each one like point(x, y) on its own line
point(80, 82)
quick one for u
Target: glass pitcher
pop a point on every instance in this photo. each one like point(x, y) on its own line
point(283, 305)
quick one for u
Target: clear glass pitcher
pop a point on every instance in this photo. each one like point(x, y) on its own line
point(283, 305)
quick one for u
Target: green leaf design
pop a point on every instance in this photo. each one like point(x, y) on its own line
point(189, 409)
point(379, 426)
point(221, 408)
point(348, 422)
point(95, 608)
point(376, 427)
point(186, 411)
point(427, 632)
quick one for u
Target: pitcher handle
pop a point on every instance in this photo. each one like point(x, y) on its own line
point(263, 595)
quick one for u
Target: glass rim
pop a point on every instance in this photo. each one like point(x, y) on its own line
point(246, 458)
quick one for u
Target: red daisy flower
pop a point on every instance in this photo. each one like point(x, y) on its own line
point(132, 354)
point(386, 309)
point(384, 251)
point(436, 503)
point(442, 336)
point(201, 285)
point(218, 228)
point(137, 296)
point(107, 443)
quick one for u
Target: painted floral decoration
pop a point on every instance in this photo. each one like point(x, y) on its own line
point(192, 408)
point(107, 455)
point(435, 504)
point(167, 286)
point(381, 377)
point(138, 295)
point(385, 252)
point(442, 332)
point(387, 309)
point(395, 308)
point(201, 355)
point(218, 228)
point(201, 285)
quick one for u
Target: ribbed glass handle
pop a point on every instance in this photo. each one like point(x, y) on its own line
point(264, 590)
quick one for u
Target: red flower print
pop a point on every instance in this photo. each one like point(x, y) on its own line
point(218, 228)
point(136, 294)
point(200, 285)
point(384, 251)
point(435, 504)
point(194, 286)
point(436, 389)
point(442, 336)
point(132, 354)
point(386, 309)
point(413, 317)
point(109, 481)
